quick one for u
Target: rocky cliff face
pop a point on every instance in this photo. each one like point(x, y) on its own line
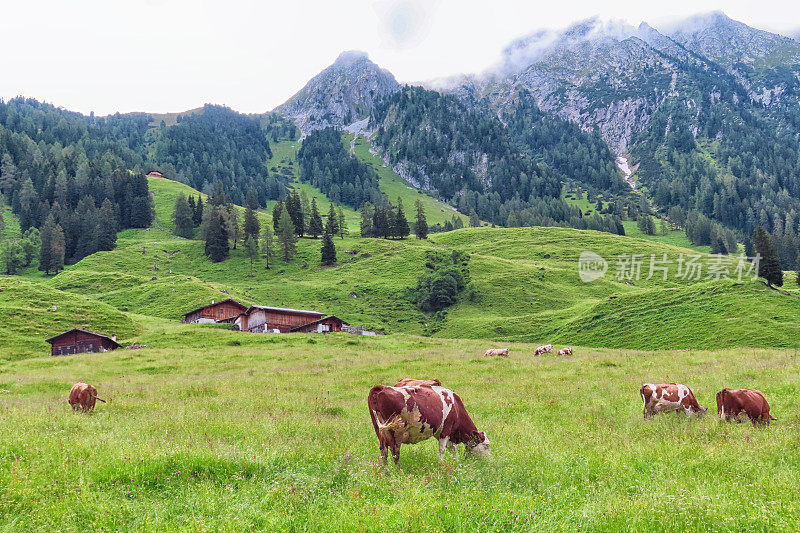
point(341, 94)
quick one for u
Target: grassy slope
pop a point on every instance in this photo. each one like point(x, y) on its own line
point(28, 317)
point(273, 434)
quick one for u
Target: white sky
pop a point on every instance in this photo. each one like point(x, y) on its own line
point(172, 55)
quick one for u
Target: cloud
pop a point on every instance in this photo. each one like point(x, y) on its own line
point(404, 23)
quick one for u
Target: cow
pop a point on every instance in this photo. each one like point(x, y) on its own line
point(495, 352)
point(731, 403)
point(668, 397)
point(412, 413)
point(411, 382)
point(565, 351)
point(547, 348)
point(83, 396)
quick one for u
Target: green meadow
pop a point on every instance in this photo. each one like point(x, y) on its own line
point(207, 429)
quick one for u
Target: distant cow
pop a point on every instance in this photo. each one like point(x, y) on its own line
point(565, 351)
point(547, 348)
point(731, 403)
point(411, 382)
point(411, 414)
point(668, 397)
point(83, 397)
point(494, 352)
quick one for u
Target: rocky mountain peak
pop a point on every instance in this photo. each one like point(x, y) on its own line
point(341, 94)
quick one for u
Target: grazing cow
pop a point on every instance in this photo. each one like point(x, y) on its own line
point(494, 352)
point(411, 382)
point(731, 403)
point(411, 414)
point(547, 348)
point(668, 397)
point(565, 351)
point(83, 397)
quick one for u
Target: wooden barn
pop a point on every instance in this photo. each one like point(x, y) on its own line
point(328, 324)
point(81, 341)
point(224, 311)
point(155, 174)
point(265, 319)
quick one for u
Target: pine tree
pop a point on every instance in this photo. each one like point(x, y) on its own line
point(287, 236)
point(474, 221)
point(367, 218)
point(332, 224)
point(251, 250)
point(45, 250)
point(198, 211)
point(295, 210)
point(380, 222)
point(276, 215)
point(217, 246)
point(268, 245)
point(57, 250)
point(328, 250)
point(341, 222)
point(401, 222)
point(252, 227)
point(769, 266)
point(421, 224)
point(315, 227)
point(183, 217)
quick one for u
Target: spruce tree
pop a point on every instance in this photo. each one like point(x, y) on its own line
point(198, 211)
point(287, 236)
point(276, 215)
point(251, 250)
point(295, 210)
point(380, 222)
point(401, 222)
point(268, 245)
point(328, 250)
point(332, 224)
point(769, 266)
point(315, 227)
point(46, 246)
point(252, 227)
point(421, 224)
point(217, 246)
point(341, 222)
point(58, 249)
point(367, 219)
point(183, 217)
point(231, 216)
point(474, 221)
point(107, 229)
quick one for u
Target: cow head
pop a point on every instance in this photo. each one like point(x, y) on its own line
point(700, 411)
point(479, 445)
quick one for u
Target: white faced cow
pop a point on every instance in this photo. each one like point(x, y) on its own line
point(547, 348)
point(413, 413)
point(668, 397)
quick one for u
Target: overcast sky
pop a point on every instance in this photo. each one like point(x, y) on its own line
point(172, 55)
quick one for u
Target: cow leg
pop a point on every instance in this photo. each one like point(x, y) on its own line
point(443, 442)
point(394, 446)
point(384, 450)
point(453, 449)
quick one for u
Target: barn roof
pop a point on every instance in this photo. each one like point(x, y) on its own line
point(52, 339)
point(318, 321)
point(284, 310)
point(229, 300)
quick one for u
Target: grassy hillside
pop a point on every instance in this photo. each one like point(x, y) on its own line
point(273, 434)
point(31, 312)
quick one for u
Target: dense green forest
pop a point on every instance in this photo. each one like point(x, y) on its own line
point(469, 158)
point(219, 144)
point(325, 163)
point(69, 174)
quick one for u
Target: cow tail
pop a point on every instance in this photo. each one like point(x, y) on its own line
point(98, 398)
point(772, 417)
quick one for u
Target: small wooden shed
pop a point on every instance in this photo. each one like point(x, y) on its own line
point(81, 341)
point(266, 319)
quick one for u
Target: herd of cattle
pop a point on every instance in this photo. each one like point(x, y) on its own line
point(413, 410)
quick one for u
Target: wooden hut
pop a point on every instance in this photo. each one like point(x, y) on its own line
point(265, 319)
point(328, 324)
point(81, 341)
point(223, 311)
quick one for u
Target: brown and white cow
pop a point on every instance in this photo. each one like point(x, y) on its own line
point(411, 414)
point(83, 396)
point(495, 352)
point(547, 348)
point(565, 351)
point(732, 403)
point(668, 397)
